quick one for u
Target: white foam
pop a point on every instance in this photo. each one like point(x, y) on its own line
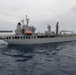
point(2, 42)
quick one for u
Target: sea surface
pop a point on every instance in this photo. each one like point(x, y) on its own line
point(43, 59)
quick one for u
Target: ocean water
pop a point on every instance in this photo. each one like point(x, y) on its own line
point(44, 59)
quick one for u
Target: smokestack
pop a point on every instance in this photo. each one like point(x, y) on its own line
point(57, 27)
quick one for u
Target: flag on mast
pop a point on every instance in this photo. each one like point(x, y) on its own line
point(22, 21)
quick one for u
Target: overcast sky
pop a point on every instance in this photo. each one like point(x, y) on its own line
point(40, 12)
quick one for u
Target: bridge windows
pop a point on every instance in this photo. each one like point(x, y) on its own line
point(13, 37)
point(27, 37)
point(23, 37)
point(20, 37)
point(7, 37)
point(16, 37)
point(31, 37)
point(34, 37)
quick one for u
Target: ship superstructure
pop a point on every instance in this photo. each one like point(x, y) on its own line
point(25, 34)
point(26, 29)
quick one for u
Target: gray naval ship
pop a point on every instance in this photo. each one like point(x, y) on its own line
point(25, 34)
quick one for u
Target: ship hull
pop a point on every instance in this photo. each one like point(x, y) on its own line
point(41, 40)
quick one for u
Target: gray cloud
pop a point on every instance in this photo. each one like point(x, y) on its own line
point(40, 12)
point(74, 9)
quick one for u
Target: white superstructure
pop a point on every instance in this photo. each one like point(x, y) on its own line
point(25, 34)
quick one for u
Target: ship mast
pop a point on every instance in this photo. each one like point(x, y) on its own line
point(27, 20)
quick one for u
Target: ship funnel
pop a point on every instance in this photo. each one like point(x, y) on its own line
point(57, 27)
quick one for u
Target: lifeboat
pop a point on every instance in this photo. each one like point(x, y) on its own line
point(28, 32)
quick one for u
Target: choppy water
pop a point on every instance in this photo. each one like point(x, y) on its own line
point(46, 59)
